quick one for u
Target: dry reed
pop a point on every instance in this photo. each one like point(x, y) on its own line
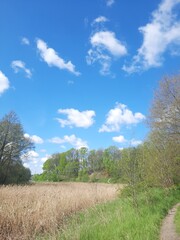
point(28, 211)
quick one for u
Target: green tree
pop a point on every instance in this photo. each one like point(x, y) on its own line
point(13, 145)
point(51, 168)
point(111, 160)
point(72, 163)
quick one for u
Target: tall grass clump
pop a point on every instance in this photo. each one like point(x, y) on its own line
point(30, 211)
point(120, 219)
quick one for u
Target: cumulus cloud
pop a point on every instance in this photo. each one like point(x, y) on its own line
point(34, 138)
point(25, 41)
point(161, 34)
point(119, 116)
point(75, 118)
point(105, 47)
point(4, 83)
point(50, 56)
point(119, 139)
point(72, 140)
point(109, 3)
point(18, 65)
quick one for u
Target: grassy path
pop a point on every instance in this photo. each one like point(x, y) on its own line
point(118, 219)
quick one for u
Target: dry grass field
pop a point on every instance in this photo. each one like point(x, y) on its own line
point(28, 211)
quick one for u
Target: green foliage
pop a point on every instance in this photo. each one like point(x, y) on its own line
point(81, 164)
point(83, 175)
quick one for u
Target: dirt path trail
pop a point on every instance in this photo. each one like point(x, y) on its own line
point(168, 228)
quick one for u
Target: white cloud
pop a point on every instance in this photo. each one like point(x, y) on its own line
point(107, 40)
point(44, 159)
point(75, 118)
point(109, 3)
point(4, 82)
point(33, 161)
point(100, 19)
point(50, 56)
point(162, 33)
point(135, 142)
point(105, 48)
point(72, 139)
point(119, 116)
point(18, 65)
point(30, 156)
point(119, 139)
point(25, 41)
point(34, 138)
point(33, 154)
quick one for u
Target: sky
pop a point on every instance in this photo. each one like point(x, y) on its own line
point(82, 73)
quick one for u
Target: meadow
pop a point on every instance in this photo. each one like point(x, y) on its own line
point(40, 209)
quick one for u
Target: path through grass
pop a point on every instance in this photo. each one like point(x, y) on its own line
point(120, 220)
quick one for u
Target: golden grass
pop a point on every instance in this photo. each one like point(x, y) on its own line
point(28, 211)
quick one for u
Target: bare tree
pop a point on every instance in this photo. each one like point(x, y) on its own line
point(165, 110)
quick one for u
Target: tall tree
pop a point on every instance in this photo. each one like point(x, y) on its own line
point(13, 145)
point(164, 121)
point(165, 110)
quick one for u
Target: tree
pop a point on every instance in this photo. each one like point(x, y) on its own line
point(111, 160)
point(13, 145)
point(164, 121)
point(95, 160)
point(165, 110)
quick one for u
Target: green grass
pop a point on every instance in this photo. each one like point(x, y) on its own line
point(177, 220)
point(120, 220)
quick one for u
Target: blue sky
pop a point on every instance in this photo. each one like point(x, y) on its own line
point(82, 73)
